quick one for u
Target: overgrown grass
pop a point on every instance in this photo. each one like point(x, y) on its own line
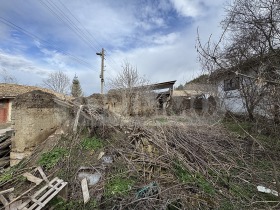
point(118, 186)
point(93, 143)
point(239, 128)
point(193, 178)
point(51, 158)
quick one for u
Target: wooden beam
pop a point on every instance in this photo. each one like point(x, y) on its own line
point(85, 190)
point(32, 178)
point(7, 191)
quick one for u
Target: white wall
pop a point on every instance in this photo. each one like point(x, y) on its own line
point(230, 100)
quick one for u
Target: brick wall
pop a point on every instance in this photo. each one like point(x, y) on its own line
point(4, 110)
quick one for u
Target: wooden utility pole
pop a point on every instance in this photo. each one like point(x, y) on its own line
point(102, 54)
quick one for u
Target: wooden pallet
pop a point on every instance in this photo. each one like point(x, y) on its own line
point(44, 195)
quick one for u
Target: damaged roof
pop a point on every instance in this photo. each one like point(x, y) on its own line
point(13, 90)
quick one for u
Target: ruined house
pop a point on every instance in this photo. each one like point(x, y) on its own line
point(143, 100)
point(33, 114)
point(201, 98)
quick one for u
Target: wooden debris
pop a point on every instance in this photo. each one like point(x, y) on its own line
point(5, 161)
point(4, 201)
point(6, 143)
point(85, 190)
point(100, 155)
point(32, 178)
point(14, 206)
point(7, 191)
point(42, 174)
point(44, 195)
point(40, 198)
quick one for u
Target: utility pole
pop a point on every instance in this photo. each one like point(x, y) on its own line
point(102, 54)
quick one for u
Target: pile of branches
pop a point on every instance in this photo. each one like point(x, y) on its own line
point(193, 166)
point(189, 166)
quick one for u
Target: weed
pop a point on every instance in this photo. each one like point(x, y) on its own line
point(238, 128)
point(51, 158)
point(182, 174)
point(226, 205)
point(6, 176)
point(244, 191)
point(93, 143)
point(118, 186)
point(187, 177)
point(161, 119)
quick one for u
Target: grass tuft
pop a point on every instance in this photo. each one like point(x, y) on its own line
point(93, 143)
point(118, 186)
point(51, 158)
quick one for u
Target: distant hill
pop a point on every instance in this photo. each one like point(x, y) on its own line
point(202, 79)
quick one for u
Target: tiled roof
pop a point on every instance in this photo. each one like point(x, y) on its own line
point(12, 90)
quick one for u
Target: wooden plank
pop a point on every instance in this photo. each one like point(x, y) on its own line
point(85, 190)
point(50, 192)
point(5, 161)
point(43, 174)
point(22, 206)
point(14, 206)
point(7, 191)
point(4, 200)
point(45, 187)
point(27, 201)
point(55, 186)
point(5, 152)
point(32, 178)
point(54, 194)
point(5, 144)
point(3, 138)
point(36, 203)
point(50, 196)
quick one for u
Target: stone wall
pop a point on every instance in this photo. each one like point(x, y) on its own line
point(199, 104)
point(35, 116)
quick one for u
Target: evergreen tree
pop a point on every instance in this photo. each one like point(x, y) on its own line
point(76, 90)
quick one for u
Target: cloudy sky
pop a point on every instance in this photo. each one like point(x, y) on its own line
point(39, 37)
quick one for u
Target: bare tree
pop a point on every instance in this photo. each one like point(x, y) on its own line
point(7, 77)
point(248, 48)
point(58, 82)
point(132, 87)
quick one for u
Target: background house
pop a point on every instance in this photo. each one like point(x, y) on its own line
point(249, 88)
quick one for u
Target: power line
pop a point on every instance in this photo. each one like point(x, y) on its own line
point(68, 10)
point(70, 24)
point(89, 35)
point(13, 25)
point(60, 14)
